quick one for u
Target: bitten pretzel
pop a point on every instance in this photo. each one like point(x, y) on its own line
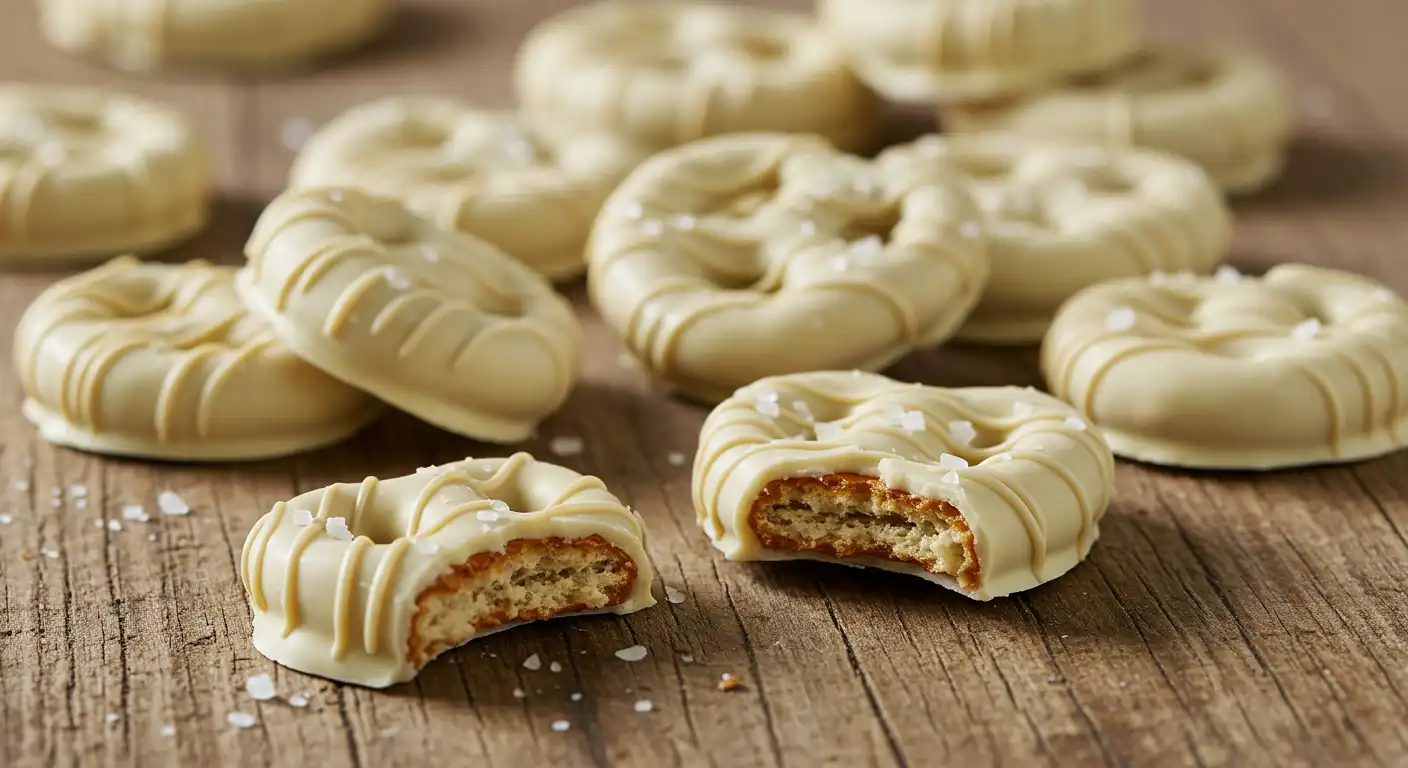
point(436, 323)
point(987, 491)
point(88, 173)
point(144, 35)
point(1304, 366)
point(1063, 217)
point(665, 73)
point(957, 50)
point(164, 362)
point(1228, 112)
point(527, 190)
point(366, 583)
point(744, 256)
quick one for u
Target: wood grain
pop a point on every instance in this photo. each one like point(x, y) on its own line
point(1222, 619)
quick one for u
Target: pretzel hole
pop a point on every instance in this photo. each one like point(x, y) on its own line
point(531, 580)
point(854, 516)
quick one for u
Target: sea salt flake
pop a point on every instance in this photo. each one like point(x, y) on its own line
point(22, 485)
point(168, 730)
point(688, 658)
point(99, 523)
point(633, 653)
point(1120, 319)
point(260, 687)
point(912, 422)
point(499, 506)
point(151, 537)
point(683, 221)
point(114, 525)
point(829, 431)
point(519, 693)
point(561, 726)
point(676, 458)
point(81, 503)
point(52, 554)
point(241, 719)
point(1306, 331)
point(644, 705)
point(962, 431)
point(397, 279)
point(171, 504)
point(1227, 274)
point(112, 717)
point(767, 405)
point(949, 478)
point(673, 595)
point(136, 513)
point(533, 663)
point(426, 547)
point(295, 132)
point(301, 517)
point(566, 446)
point(78, 491)
point(652, 227)
point(575, 697)
point(867, 247)
point(949, 461)
point(335, 195)
point(1075, 423)
point(6, 518)
point(337, 528)
point(298, 701)
point(803, 410)
point(554, 667)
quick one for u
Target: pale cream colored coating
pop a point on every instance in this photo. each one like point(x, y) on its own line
point(437, 323)
point(744, 256)
point(665, 73)
point(1226, 111)
point(531, 191)
point(1062, 217)
point(343, 608)
point(1037, 483)
point(163, 361)
point(145, 35)
point(1304, 366)
point(961, 50)
point(89, 173)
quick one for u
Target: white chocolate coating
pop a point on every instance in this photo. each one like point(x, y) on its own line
point(1064, 217)
point(664, 73)
point(88, 173)
point(163, 361)
point(1304, 366)
point(750, 255)
point(343, 608)
point(961, 50)
point(437, 323)
point(145, 35)
point(1032, 495)
point(531, 192)
point(1228, 112)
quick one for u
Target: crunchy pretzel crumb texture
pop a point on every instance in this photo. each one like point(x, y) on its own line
point(846, 515)
point(531, 580)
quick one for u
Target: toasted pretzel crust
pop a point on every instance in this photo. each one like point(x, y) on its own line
point(858, 491)
point(232, 34)
point(810, 465)
point(486, 564)
point(364, 582)
point(87, 173)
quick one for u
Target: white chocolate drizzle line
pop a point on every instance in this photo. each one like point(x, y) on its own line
point(384, 581)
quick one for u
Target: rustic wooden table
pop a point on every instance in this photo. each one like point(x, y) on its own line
point(1222, 619)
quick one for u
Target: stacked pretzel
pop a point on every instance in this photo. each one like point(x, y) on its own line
point(710, 168)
